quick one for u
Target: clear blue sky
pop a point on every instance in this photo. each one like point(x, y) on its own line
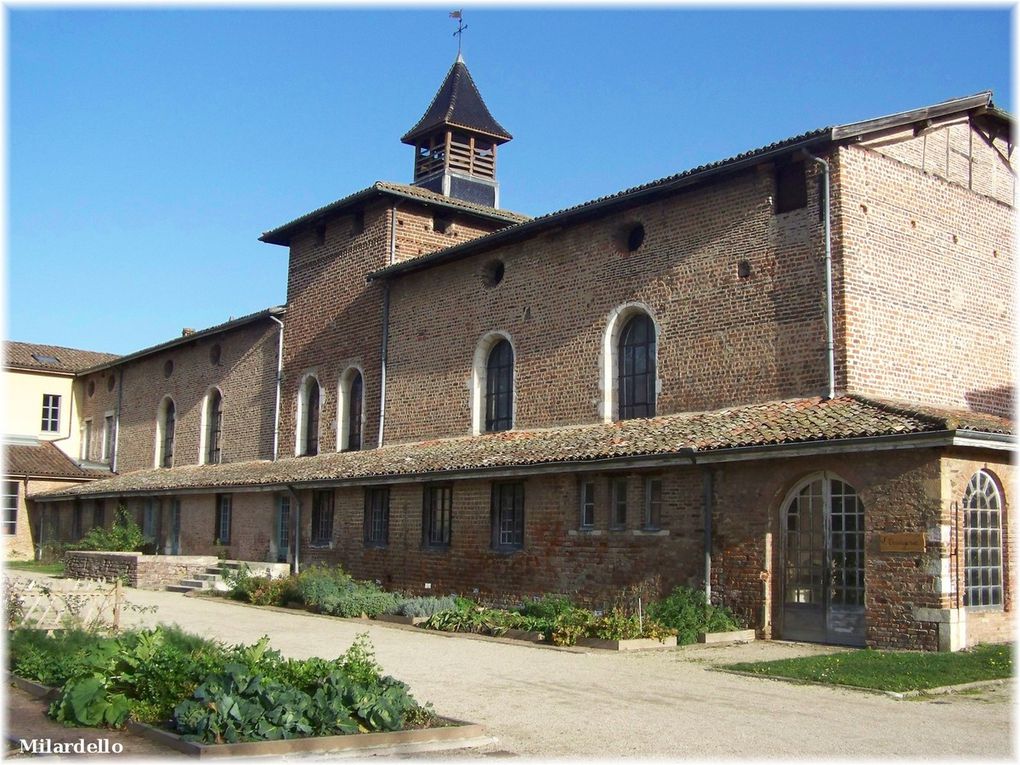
point(148, 149)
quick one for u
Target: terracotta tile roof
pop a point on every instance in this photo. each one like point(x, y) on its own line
point(458, 103)
point(43, 458)
point(282, 234)
point(758, 425)
point(55, 358)
point(241, 321)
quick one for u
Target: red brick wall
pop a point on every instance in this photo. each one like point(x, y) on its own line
point(245, 374)
point(723, 340)
point(928, 277)
point(335, 319)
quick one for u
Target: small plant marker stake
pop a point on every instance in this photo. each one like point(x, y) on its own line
point(117, 595)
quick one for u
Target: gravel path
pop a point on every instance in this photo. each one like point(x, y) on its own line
point(545, 702)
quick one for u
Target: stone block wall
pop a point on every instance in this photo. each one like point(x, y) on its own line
point(146, 572)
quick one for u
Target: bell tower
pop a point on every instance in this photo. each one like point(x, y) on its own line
point(455, 142)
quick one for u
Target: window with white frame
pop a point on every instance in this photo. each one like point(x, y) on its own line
point(492, 384)
point(10, 504)
point(109, 433)
point(50, 413)
point(166, 428)
point(653, 504)
point(982, 523)
point(629, 363)
point(588, 504)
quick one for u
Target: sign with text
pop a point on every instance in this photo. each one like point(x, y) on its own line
point(903, 542)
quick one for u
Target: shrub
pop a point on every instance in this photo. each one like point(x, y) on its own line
point(123, 536)
point(426, 606)
point(688, 612)
point(320, 586)
point(548, 607)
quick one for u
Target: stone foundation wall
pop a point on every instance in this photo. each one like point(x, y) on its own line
point(146, 572)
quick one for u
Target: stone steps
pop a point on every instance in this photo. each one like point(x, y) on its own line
point(212, 579)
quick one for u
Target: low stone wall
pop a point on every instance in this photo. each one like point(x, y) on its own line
point(146, 572)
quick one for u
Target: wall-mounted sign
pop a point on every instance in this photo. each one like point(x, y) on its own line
point(903, 542)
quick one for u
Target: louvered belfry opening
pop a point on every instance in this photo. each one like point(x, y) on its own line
point(455, 142)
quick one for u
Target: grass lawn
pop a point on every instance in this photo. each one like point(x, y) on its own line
point(35, 566)
point(892, 670)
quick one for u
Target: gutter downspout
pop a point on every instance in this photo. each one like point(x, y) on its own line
point(279, 384)
point(707, 500)
point(386, 322)
point(116, 432)
point(827, 215)
point(295, 536)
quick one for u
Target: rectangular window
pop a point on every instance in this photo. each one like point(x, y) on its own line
point(99, 514)
point(587, 505)
point(224, 513)
point(150, 519)
point(618, 491)
point(322, 517)
point(653, 503)
point(86, 439)
point(50, 413)
point(77, 521)
point(10, 500)
point(507, 516)
point(377, 517)
point(791, 187)
point(109, 430)
point(437, 515)
point(283, 528)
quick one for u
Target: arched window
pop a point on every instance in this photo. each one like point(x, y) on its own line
point(499, 388)
point(351, 406)
point(167, 422)
point(311, 440)
point(636, 368)
point(982, 523)
point(214, 427)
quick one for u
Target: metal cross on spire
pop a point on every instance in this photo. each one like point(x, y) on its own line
point(461, 26)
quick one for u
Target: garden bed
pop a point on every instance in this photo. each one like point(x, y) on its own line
point(732, 636)
point(636, 644)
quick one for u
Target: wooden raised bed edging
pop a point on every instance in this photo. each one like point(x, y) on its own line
point(638, 644)
point(456, 735)
point(733, 636)
point(414, 621)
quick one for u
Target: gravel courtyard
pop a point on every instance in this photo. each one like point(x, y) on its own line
point(546, 702)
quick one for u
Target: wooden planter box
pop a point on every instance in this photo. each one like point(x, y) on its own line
point(456, 735)
point(734, 636)
point(414, 621)
point(531, 637)
point(638, 644)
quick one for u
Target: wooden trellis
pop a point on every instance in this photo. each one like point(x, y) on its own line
point(55, 604)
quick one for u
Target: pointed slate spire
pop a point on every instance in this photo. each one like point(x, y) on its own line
point(455, 142)
point(458, 104)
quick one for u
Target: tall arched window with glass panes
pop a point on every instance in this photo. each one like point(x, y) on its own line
point(982, 528)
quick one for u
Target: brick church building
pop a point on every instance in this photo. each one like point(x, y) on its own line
point(785, 376)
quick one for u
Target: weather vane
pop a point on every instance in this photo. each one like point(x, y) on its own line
point(461, 26)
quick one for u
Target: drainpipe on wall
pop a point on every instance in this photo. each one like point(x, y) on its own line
point(116, 421)
point(827, 215)
point(279, 383)
point(295, 536)
point(707, 499)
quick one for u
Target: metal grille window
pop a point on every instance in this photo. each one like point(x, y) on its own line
point(846, 518)
point(10, 504)
point(618, 492)
point(587, 505)
point(150, 520)
point(215, 428)
point(283, 528)
point(499, 388)
point(50, 413)
point(637, 368)
point(653, 503)
point(312, 419)
point(437, 511)
point(322, 517)
point(508, 516)
point(224, 516)
point(377, 517)
point(354, 413)
point(169, 426)
point(982, 508)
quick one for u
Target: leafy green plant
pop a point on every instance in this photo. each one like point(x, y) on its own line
point(123, 536)
point(423, 607)
point(688, 612)
point(89, 701)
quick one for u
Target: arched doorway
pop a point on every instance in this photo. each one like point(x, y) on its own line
point(823, 562)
